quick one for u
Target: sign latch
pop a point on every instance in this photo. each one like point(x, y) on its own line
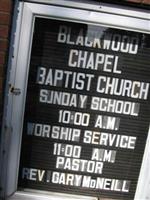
point(15, 91)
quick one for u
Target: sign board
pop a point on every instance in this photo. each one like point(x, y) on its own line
point(87, 109)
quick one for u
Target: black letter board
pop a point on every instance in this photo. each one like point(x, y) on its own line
point(87, 110)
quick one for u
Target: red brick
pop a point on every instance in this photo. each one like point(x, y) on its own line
point(5, 5)
point(1, 84)
point(1, 71)
point(146, 2)
point(135, 1)
point(140, 1)
point(2, 58)
point(1, 100)
point(3, 44)
point(4, 18)
point(3, 31)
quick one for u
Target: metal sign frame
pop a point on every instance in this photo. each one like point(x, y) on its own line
point(104, 15)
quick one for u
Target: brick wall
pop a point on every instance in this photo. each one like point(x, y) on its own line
point(5, 24)
point(134, 3)
point(139, 1)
